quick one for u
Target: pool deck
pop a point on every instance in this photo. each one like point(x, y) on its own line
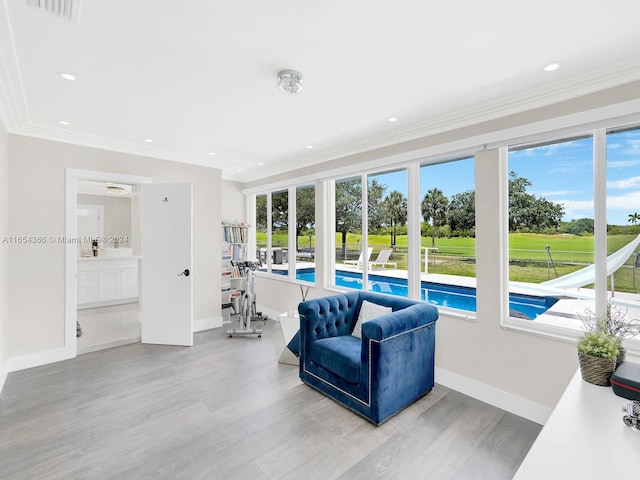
point(564, 313)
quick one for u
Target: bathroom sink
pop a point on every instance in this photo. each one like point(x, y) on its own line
point(115, 252)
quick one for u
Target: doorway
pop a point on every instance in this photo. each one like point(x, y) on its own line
point(108, 267)
point(106, 283)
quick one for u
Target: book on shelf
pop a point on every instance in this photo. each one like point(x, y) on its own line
point(235, 252)
point(234, 233)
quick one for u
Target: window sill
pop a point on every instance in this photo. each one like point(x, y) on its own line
point(562, 334)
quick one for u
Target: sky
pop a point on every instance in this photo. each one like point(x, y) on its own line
point(561, 172)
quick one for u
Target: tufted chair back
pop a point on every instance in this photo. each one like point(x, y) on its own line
point(331, 316)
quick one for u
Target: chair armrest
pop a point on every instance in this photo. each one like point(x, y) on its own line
point(400, 321)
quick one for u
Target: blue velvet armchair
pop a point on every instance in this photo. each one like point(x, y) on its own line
point(377, 375)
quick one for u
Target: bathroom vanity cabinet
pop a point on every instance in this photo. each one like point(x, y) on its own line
point(107, 281)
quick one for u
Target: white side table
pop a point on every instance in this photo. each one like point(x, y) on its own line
point(289, 324)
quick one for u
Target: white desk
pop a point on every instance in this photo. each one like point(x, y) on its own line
point(584, 438)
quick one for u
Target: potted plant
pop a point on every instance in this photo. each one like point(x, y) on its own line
point(597, 352)
point(614, 323)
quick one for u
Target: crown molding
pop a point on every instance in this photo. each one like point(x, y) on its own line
point(14, 114)
point(13, 108)
point(512, 104)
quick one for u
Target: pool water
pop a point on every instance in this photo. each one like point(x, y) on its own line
point(443, 295)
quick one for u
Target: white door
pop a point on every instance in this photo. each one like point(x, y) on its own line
point(166, 300)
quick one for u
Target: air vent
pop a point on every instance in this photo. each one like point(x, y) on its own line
point(65, 9)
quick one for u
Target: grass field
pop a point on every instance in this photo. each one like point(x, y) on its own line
point(528, 257)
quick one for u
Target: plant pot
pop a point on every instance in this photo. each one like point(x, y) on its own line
point(622, 353)
point(596, 370)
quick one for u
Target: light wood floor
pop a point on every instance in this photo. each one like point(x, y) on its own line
point(225, 409)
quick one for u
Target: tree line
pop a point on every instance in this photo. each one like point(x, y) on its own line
point(443, 216)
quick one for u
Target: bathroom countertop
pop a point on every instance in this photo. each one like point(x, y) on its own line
point(105, 257)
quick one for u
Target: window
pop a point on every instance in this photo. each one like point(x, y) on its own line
point(387, 232)
point(623, 218)
point(280, 232)
point(447, 206)
point(561, 225)
point(305, 252)
point(285, 232)
point(556, 218)
point(348, 223)
point(261, 228)
point(551, 228)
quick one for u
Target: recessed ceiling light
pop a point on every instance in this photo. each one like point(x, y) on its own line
point(148, 140)
point(551, 67)
point(309, 147)
point(67, 76)
point(63, 122)
point(392, 119)
point(211, 153)
point(260, 163)
point(239, 171)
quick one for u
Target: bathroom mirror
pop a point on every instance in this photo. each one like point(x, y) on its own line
point(105, 207)
point(90, 220)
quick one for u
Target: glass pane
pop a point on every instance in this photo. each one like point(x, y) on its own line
point(305, 233)
point(447, 193)
point(387, 232)
point(551, 228)
point(280, 232)
point(261, 228)
point(623, 225)
point(348, 228)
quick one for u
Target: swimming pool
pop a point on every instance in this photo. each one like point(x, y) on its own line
point(440, 294)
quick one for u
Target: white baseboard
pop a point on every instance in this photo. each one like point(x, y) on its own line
point(207, 323)
point(3, 378)
point(493, 396)
point(20, 362)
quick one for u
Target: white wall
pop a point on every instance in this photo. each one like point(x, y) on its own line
point(37, 170)
point(233, 202)
point(4, 259)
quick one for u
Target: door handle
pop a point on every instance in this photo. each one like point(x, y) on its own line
point(186, 272)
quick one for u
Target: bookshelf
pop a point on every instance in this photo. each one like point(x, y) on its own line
point(234, 250)
point(234, 241)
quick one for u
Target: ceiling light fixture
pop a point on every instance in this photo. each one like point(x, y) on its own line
point(551, 67)
point(112, 190)
point(290, 81)
point(67, 76)
point(260, 163)
point(148, 140)
point(392, 119)
point(211, 153)
point(309, 147)
point(63, 122)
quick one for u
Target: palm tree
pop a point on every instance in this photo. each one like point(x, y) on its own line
point(395, 211)
point(434, 210)
point(634, 218)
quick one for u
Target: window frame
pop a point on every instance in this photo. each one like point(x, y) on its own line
point(291, 229)
point(611, 117)
point(600, 296)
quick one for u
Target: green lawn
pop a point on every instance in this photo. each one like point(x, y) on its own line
point(528, 257)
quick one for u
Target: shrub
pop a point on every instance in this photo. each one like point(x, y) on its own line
point(598, 344)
